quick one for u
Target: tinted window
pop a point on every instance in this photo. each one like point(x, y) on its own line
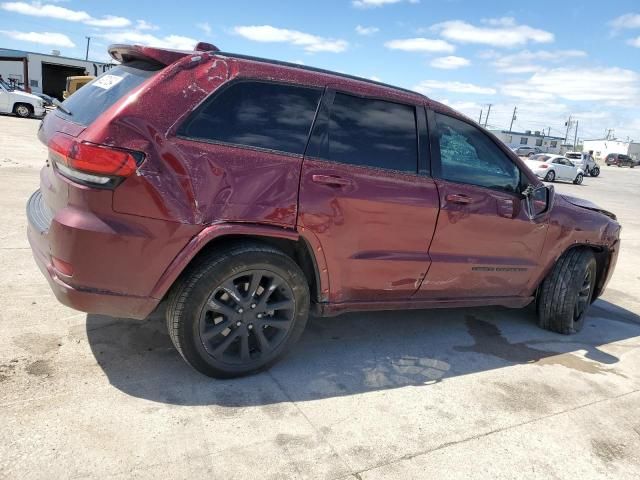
point(266, 115)
point(540, 158)
point(87, 103)
point(467, 155)
point(373, 133)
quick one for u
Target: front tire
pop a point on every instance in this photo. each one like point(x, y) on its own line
point(238, 311)
point(23, 110)
point(565, 295)
point(578, 179)
point(550, 176)
point(595, 171)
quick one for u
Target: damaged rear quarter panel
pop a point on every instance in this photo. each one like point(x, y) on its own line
point(193, 181)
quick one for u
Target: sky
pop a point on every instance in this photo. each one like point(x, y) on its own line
point(551, 59)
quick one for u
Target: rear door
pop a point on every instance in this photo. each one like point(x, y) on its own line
point(363, 199)
point(484, 245)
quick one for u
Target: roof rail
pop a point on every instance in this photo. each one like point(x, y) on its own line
point(317, 70)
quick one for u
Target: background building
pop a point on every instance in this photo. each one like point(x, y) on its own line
point(538, 139)
point(603, 147)
point(44, 73)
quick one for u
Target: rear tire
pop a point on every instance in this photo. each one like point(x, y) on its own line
point(23, 110)
point(565, 295)
point(595, 171)
point(550, 176)
point(238, 311)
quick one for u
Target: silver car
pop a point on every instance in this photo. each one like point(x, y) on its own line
point(585, 162)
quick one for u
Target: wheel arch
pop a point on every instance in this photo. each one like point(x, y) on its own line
point(603, 259)
point(223, 235)
point(17, 104)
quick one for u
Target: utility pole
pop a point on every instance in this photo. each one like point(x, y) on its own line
point(486, 119)
point(86, 56)
point(575, 137)
point(480, 119)
point(568, 124)
point(609, 134)
point(513, 117)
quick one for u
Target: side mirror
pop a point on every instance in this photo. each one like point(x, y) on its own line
point(538, 200)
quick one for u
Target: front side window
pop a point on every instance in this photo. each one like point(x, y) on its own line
point(257, 114)
point(469, 156)
point(372, 133)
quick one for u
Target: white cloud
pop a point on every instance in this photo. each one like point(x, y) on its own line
point(527, 61)
point(629, 20)
point(311, 43)
point(144, 25)
point(109, 21)
point(360, 30)
point(634, 42)
point(420, 45)
point(37, 9)
point(499, 32)
point(43, 38)
point(205, 27)
point(614, 86)
point(449, 63)
point(427, 86)
point(377, 3)
point(177, 42)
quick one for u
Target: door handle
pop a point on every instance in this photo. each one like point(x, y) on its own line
point(458, 198)
point(331, 180)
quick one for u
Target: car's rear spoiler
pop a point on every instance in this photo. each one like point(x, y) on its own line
point(160, 56)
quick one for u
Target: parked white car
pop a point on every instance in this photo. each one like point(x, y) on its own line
point(584, 161)
point(20, 103)
point(554, 167)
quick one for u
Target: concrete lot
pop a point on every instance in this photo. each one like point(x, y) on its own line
point(474, 393)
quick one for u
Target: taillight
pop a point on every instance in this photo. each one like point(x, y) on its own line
point(90, 163)
point(544, 165)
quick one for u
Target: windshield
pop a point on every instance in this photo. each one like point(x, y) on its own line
point(6, 85)
point(90, 101)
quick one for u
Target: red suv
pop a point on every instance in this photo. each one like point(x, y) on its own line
point(619, 159)
point(246, 192)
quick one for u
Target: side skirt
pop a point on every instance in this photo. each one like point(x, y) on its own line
point(333, 309)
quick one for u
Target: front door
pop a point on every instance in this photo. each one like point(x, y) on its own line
point(564, 169)
point(4, 100)
point(363, 201)
point(484, 245)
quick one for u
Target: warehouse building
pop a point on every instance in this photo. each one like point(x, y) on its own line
point(42, 73)
point(546, 143)
point(604, 146)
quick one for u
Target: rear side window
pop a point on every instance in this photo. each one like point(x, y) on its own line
point(93, 99)
point(373, 133)
point(257, 114)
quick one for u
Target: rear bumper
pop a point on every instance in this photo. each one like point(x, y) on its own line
point(99, 302)
point(111, 273)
